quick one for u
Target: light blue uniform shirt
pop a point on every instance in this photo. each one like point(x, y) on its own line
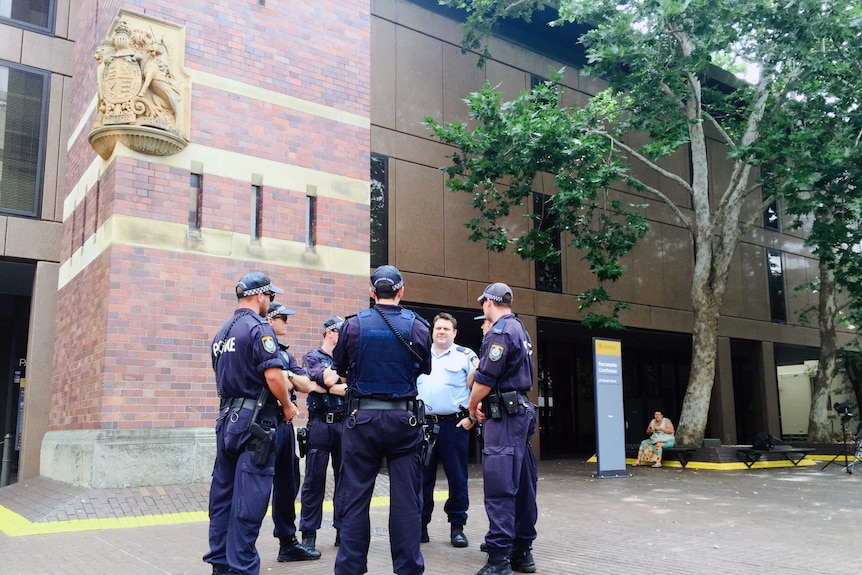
point(445, 388)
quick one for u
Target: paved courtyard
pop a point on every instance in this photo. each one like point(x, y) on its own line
point(670, 520)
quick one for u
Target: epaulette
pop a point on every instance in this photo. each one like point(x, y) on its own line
point(422, 319)
point(462, 349)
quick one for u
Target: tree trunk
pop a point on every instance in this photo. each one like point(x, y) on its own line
point(818, 422)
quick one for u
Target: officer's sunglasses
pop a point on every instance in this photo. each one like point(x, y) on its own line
point(271, 295)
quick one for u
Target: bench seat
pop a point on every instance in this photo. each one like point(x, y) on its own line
point(794, 455)
point(682, 454)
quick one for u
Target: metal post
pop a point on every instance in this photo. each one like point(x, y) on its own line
point(7, 460)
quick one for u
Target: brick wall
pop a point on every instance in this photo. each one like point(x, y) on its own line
point(135, 321)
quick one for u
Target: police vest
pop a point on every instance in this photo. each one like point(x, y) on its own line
point(384, 366)
point(324, 402)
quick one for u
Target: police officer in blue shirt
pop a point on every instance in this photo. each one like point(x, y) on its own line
point(381, 350)
point(446, 392)
point(245, 360)
point(501, 382)
point(326, 411)
point(285, 485)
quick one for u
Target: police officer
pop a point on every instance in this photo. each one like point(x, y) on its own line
point(446, 392)
point(326, 411)
point(504, 376)
point(286, 481)
point(381, 350)
point(245, 360)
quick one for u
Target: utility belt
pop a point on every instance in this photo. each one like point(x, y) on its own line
point(328, 417)
point(497, 402)
point(432, 418)
point(415, 406)
point(263, 440)
point(246, 403)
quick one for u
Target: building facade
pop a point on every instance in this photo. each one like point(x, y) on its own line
point(307, 159)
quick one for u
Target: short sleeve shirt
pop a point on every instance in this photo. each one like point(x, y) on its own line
point(244, 348)
point(445, 390)
point(506, 357)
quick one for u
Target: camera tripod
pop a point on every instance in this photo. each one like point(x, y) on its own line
point(848, 466)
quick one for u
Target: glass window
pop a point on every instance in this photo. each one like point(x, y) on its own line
point(23, 101)
point(35, 13)
point(256, 211)
point(777, 303)
point(379, 210)
point(549, 273)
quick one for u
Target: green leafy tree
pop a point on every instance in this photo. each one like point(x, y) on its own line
point(518, 140)
point(818, 136)
point(657, 57)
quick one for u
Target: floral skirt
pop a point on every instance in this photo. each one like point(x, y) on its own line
point(651, 452)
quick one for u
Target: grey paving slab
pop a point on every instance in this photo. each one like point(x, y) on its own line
point(795, 520)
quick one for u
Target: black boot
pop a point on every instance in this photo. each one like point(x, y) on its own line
point(220, 569)
point(498, 564)
point(522, 559)
point(457, 536)
point(425, 538)
point(291, 550)
point(309, 539)
point(337, 537)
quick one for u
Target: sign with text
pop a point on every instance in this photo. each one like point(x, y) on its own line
point(610, 421)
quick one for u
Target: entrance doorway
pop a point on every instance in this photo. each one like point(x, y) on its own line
point(16, 287)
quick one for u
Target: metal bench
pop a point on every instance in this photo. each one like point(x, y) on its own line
point(682, 454)
point(794, 455)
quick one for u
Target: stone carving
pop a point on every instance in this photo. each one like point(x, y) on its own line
point(139, 86)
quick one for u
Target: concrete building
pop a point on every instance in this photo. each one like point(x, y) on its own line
point(115, 271)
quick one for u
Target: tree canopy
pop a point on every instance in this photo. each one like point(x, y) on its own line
point(657, 57)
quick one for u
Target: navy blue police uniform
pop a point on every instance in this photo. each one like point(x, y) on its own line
point(285, 485)
point(509, 464)
point(383, 421)
point(326, 413)
point(243, 349)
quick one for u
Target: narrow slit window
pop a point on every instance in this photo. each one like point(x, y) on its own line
point(256, 212)
point(310, 217)
point(195, 202)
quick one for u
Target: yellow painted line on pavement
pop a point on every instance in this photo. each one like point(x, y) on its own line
point(15, 525)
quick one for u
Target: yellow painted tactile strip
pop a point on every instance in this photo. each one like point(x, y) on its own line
point(730, 466)
point(14, 525)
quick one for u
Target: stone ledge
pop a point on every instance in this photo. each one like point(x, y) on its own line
point(128, 458)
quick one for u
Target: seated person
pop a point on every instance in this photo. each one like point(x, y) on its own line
point(660, 431)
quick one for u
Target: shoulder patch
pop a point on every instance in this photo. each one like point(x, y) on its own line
point(474, 362)
point(269, 343)
point(496, 352)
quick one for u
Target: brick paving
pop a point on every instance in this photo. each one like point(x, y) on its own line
point(786, 520)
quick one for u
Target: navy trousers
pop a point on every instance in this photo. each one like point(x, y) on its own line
point(374, 436)
point(324, 439)
point(238, 496)
point(510, 477)
point(285, 484)
point(451, 450)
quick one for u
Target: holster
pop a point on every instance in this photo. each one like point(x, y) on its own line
point(262, 443)
point(429, 441)
point(264, 438)
point(302, 440)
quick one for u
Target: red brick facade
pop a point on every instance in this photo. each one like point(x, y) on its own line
point(135, 322)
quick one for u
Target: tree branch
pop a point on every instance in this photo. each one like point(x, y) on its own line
point(646, 161)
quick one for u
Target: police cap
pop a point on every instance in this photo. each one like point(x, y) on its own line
point(386, 281)
point(498, 292)
point(254, 283)
point(333, 324)
point(276, 309)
